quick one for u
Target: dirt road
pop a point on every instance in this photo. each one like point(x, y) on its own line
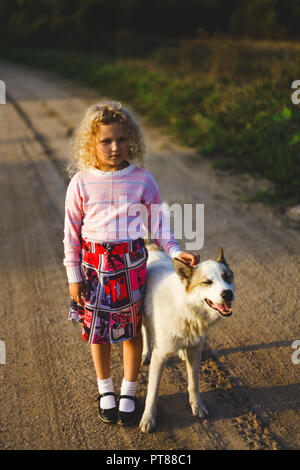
point(248, 380)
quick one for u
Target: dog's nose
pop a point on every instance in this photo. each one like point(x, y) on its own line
point(227, 295)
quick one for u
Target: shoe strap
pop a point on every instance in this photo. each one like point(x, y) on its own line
point(107, 393)
point(130, 397)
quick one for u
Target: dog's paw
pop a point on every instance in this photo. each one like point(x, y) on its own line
point(147, 423)
point(146, 358)
point(199, 410)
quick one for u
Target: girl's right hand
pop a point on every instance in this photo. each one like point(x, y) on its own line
point(77, 290)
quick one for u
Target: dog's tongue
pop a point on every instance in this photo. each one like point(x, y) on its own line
point(223, 308)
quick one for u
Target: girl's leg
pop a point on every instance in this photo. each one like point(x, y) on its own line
point(101, 359)
point(132, 355)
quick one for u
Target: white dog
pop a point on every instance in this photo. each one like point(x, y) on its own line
point(179, 306)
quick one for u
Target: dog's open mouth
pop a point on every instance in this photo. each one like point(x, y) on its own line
point(223, 309)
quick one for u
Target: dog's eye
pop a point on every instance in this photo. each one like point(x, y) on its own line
point(207, 282)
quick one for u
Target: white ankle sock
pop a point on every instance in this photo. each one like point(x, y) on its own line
point(104, 386)
point(127, 388)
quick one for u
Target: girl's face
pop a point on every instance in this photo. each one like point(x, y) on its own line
point(112, 147)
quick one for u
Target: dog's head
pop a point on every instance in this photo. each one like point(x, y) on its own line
point(210, 282)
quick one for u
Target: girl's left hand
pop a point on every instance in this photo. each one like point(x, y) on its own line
point(189, 258)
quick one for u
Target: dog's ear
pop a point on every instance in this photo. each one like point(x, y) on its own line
point(221, 258)
point(182, 269)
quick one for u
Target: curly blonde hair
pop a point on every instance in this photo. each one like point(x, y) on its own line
point(83, 153)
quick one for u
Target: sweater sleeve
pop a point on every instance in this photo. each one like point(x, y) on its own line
point(72, 230)
point(158, 227)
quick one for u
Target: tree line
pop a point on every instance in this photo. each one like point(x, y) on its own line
point(94, 25)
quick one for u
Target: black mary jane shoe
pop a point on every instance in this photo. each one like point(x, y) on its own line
point(126, 418)
point(110, 415)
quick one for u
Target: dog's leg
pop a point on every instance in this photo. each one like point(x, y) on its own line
point(146, 354)
point(148, 420)
point(193, 359)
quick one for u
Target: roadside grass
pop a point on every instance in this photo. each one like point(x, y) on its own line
point(230, 100)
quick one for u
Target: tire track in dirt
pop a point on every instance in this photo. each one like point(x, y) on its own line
point(19, 338)
point(40, 138)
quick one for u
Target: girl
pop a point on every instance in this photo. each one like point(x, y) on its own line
point(105, 254)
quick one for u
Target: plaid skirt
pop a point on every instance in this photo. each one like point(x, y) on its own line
point(115, 276)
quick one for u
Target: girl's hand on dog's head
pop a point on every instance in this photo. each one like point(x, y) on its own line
point(77, 290)
point(189, 258)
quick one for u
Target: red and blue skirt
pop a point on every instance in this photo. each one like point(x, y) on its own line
point(115, 276)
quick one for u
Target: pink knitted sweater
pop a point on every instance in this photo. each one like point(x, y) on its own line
point(112, 206)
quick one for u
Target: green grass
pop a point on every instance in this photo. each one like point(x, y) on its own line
point(229, 100)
